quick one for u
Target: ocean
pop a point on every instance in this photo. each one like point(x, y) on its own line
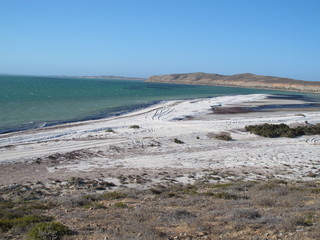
point(28, 102)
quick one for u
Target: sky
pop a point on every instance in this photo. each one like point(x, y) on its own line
point(139, 38)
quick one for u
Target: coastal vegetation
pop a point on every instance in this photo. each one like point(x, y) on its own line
point(283, 130)
point(176, 140)
point(48, 231)
point(27, 218)
point(225, 136)
point(135, 126)
point(229, 210)
point(110, 130)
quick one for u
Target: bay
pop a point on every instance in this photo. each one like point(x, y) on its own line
point(33, 101)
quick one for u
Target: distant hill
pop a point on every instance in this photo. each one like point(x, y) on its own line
point(112, 77)
point(246, 80)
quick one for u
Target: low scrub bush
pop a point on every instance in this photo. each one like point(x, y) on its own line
point(6, 204)
point(113, 195)
point(282, 130)
point(176, 140)
point(77, 201)
point(223, 195)
point(246, 213)
point(22, 222)
point(134, 126)
point(291, 222)
point(223, 136)
point(48, 231)
point(120, 205)
point(94, 205)
point(303, 220)
point(222, 185)
point(110, 130)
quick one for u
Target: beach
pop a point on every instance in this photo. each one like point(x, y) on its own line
point(165, 172)
point(144, 143)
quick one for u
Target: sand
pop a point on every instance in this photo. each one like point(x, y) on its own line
point(91, 150)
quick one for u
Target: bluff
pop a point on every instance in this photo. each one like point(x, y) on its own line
point(245, 80)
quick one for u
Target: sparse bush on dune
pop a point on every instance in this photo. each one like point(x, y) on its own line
point(113, 195)
point(110, 130)
point(282, 130)
point(225, 136)
point(48, 231)
point(176, 140)
point(21, 223)
point(120, 205)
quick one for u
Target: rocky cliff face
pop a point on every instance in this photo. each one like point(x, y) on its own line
point(246, 80)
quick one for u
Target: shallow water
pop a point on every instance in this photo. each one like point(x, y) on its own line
point(30, 102)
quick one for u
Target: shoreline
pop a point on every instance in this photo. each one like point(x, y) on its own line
point(122, 111)
point(293, 90)
point(295, 102)
point(118, 111)
point(142, 142)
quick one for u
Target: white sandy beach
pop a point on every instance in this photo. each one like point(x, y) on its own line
point(87, 149)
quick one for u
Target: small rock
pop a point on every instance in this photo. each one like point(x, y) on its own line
point(201, 234)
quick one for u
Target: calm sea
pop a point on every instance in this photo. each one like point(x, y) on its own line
point(31, 102)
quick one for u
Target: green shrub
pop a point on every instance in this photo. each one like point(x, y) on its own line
point(113, 195)
point(134, 126)
point(22, 222)
point(120, 205)
point(223, 185)
point(6, 204)
point(172, 194)
point(33, 205)
point(245, 213)
point(282, 130)
point(315, 190)
point(48, 231)
point(110, 130)
point(223, 136)
point(94, 205)
point(91, 197)
point(187, 189)
point(303, 220)
point(223, 195)
point(11, 213)
point(176, 140)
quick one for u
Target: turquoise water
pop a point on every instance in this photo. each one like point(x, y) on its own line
point(30, 102)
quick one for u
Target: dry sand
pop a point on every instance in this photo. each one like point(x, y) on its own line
point(148, 155)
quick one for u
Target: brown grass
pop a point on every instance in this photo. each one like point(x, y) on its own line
point(239, 210)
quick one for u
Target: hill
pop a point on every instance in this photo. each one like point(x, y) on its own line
point(113, 77)
point(246, 80)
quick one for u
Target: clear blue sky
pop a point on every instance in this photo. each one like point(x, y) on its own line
point(146, 37)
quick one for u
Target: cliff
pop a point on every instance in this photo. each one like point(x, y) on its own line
point(245, 80)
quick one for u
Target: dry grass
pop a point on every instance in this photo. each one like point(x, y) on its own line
point(240, 210)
